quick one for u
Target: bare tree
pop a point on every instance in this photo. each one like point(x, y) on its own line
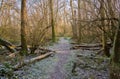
point(79, 24)
point(115, 64)
point(73, 23)
point(23, 26)
point(104, 37)
point(52, 20)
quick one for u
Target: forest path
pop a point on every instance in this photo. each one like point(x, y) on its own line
point(64, 62)
point(59, 66)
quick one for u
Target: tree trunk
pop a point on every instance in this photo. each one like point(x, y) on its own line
point(79, 24)
point(23, 25)
point(73, 23)
point(113, 23)
point(115, 65)
point(52, 20)
point(104, 37)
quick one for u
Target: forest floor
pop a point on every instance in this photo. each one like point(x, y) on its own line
point(65, 64)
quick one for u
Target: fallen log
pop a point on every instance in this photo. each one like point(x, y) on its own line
point(45, 49)
point(26, 62)
point(99, 51)
point(90, 46)
point(39, 50)
point(86, 46)
point(8, 45)
point(94, 49)
point(13, 55)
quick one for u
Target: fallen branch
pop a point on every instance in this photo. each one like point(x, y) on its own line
point(26, 62)
point(37, 51)
point(94, 49)
point(8, 45)
point(13, 55)
point(99, 51)
point(89, 46)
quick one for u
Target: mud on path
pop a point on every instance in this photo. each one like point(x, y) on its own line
point(60, 65)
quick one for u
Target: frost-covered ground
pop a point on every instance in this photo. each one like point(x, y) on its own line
point(60, 65)
point(90, 66)
point(50, 68)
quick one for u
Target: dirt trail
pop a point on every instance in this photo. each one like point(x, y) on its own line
point(57, 67)
point(60, 65)
point(63, 50)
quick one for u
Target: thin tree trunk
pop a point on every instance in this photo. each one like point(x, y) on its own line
point(104, 37)
point(23, 25)
point(112, 15)
point(115, 65)
point(79, 24)
point(74, 29)
point(52, 21)
point(116, 46)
